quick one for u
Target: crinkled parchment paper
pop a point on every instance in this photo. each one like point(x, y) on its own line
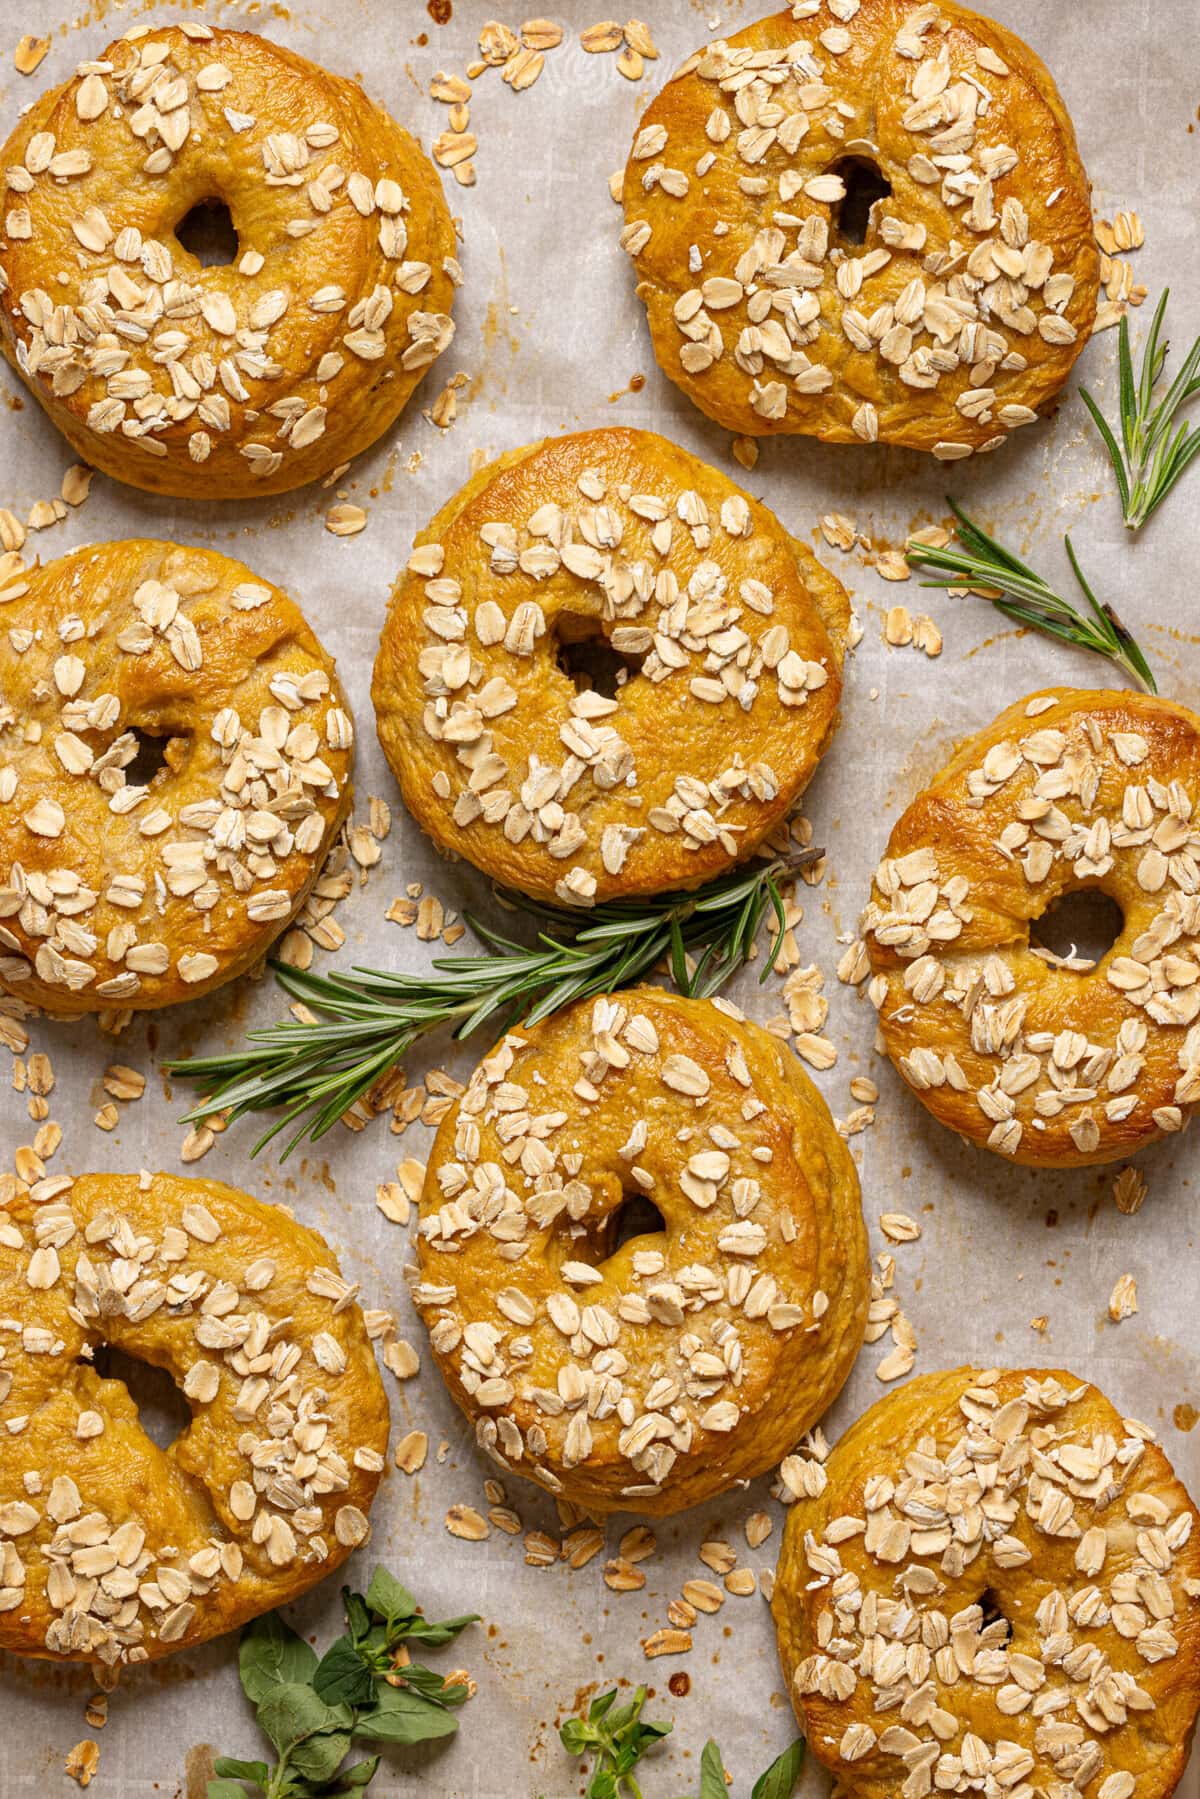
point(549, 336)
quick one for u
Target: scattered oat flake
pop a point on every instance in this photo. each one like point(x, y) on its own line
point(76, 483)
point(898, 1227)
point(29, 53)
point(345, 519)
point(1129, 1191)
point(1040, 1323)
point(411, 1451)
point(666, 1642)
point(1122, 1301)
point(541, 34)
point(893, 565)
point(96, 1711)
point(744, 450)
point(607, 35)
point(464, 1521)
point(82, 1762)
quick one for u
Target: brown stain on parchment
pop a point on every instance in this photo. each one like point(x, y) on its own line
point(198, 1770)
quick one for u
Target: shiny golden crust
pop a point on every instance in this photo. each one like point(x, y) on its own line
point(112, 1549)
point(568, 795)
point(128, 893)
point(1020, 1616)
point(1048, 1063)
point(959, 315)
point(687, 1359)
point(220, 382)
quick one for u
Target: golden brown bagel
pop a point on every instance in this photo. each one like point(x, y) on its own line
point(622, 540)
point(135, 890)
point(942, 319)
point(1049, 1063)
point(112, 1549)
point(644, 1374)
point(220, 382)
point(994, 1591)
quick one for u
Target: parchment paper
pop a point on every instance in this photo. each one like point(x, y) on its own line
point(549, 335)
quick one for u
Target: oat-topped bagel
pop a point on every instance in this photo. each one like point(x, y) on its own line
point(218, 382)
point(646, 1371)
point(995, 1591)
point(1051, 1061)
point(730, 631)
point(112, 1549)
point(126, 885)
point(861, 220)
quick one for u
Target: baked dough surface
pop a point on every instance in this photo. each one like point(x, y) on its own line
point(947, 317)
point(644, 1374)
point(995, 1588)
point(220, 381)
point(733, 636)
point(112, 1549)
point(1053, 1062)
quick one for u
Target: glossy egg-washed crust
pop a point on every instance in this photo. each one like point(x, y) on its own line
point(690, 1358)
point(995, 1591)
point(220, 382)
point(112, 1549)
point(1048, 1064)
point(137, 892)
point(958, 317)
point(564, 794)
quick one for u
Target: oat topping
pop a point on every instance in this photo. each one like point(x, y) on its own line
point(555, 1341)
point(697, 597)
point(112, 1550)
point(1082, 798)
point(911, 1657)
point(969, 284)
point(178, 358)
point(113, 885)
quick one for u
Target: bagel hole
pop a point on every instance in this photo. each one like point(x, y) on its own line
point(207, 232)
point(162, 1410)
point(150, 760)
point(586, 656)
point(994, 1613)
point(636, 1216)
point(865, 184)
point(1077, 929)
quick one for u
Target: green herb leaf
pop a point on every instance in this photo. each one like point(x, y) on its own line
point(271, 1654)
point(436, 1632)
point(291, 1713)
point(980, 563)
point(1152, 455)
point(342, 1677)
point(712, 1773)
point(368, 1020)
point(388, 1599)
point(357, 1776)
point(403, 1716)
point(233, 1788)
point(779, 1780)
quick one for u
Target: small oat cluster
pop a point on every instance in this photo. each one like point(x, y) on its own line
point(516, 1174)
point(981, 284)
point(246, 832)
point(1079, 813)
point(626, 547)
point(977, 1503)
point(167, 358)
point(117, 1586)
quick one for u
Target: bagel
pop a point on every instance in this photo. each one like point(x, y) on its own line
point(995, 1591)
point(646, 1371)
point(127, 889)
point(220, 382)
point(112, 1549)
point(864, 220)
point(1050, 1061)
point(732, 634)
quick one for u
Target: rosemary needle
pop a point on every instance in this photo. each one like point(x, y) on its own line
point(977, 561)
point(1151, 455)
point(360, 1024)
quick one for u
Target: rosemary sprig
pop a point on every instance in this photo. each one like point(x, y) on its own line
point(315, 1067)
point(1151, 455)
point(978, 562)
